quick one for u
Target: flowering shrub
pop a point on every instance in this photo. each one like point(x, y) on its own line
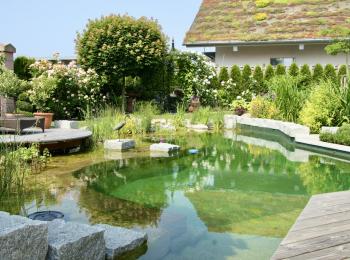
point(66, 90)
point(196, 75)
point(262, 107)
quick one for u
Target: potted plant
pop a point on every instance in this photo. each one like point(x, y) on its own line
point(41, 97)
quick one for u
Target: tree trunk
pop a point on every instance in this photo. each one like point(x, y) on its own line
point(123, 94)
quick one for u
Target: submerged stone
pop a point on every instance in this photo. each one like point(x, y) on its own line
point(121, 240)
point(22, 238)
point(70, 241)
point(119, 144)
point(164, 147)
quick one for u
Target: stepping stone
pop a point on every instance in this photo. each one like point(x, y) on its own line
point(119, 144)
point(73, 241)
point(121, 240)
point(22, 238)
point(164, 147)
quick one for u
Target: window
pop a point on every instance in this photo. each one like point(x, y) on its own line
point(284, 61)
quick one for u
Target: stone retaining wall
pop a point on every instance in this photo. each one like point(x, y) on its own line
point(22, 238)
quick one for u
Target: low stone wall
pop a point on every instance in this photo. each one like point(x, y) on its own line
point(22, 238)
point(291, 129)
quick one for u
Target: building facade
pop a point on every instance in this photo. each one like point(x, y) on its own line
point(269, 32)
point(8, 50)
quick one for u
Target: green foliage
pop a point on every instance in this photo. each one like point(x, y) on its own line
point(289, 99)
point(330, 73)
point(10, 84)
point(341, 45)
point(258, 76)
point(269, 72)
point(342, 136)
point(236, 77)
point(240, 106)
point(260, 17)
point(280, 70)
point(22, 67)
point(293, 70)
point(24, 106)
point(318, 73)
point(223, 74)
point(262, 3)
point(261, 107)
point(322, 108)
point(305, 73)
point(342, 72)
point(117, 46)
point(246, 77)
point(16, 164)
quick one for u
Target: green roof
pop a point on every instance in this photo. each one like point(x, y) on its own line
point(236, 21)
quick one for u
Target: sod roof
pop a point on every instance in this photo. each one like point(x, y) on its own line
point(234, 21)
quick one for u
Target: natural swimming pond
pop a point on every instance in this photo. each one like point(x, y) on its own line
point(236, 198)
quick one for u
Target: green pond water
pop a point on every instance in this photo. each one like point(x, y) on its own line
point(236, 199)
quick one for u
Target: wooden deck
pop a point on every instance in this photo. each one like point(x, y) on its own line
point(322, 230)
point(52, 139)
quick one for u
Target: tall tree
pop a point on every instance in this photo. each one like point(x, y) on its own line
point(118, 46)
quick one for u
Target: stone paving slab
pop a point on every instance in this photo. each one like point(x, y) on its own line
point(73, 241)
point(119, 144)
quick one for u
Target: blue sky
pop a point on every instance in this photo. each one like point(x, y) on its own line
point(38, 28)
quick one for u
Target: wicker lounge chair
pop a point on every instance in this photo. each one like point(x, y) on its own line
point(14, 122)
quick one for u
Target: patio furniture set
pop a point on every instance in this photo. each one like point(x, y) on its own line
point(17, 123)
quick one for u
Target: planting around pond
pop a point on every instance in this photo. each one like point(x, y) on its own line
point(135, 149)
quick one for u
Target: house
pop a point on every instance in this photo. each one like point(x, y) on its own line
point(8, 50)
point(262, 32)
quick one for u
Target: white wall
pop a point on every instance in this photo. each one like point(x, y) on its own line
point(260, 55)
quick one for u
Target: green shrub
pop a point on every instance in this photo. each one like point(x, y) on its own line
point(269, 72)
point(293, 70)
point(280, 70)
point(223, 74)
point(22, 67)
point(342, 72)
point(240, 106)
point(246, 77)
point(258, 76)
point(342, 136)
point(306, 75)
point(317, 73)
point(322, 108)
point(289, 99)
point(236, 77)
point(24, 106)
point(11, 85)
point(330, 73)
point(261, 107)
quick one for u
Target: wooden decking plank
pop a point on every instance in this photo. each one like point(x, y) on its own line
point(322, 230)
point(321, 220)
point(311, 245)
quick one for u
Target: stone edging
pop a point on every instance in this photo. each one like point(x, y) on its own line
point(299, 134)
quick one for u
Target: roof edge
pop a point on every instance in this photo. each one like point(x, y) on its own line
point(248, 43)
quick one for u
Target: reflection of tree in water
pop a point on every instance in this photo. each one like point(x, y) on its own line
point(322, 175)
point(117, 212)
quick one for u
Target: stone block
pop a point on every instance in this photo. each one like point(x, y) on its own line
point(66, 124)
point(73, 241)
point(121, 240)
point(22, 238)
point(200, 127)
point(331, 130)
point(164, 147)
point(119, 144)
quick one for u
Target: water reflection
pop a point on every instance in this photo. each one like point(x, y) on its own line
point(236, 198)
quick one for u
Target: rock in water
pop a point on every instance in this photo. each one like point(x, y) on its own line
point(121, 240)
